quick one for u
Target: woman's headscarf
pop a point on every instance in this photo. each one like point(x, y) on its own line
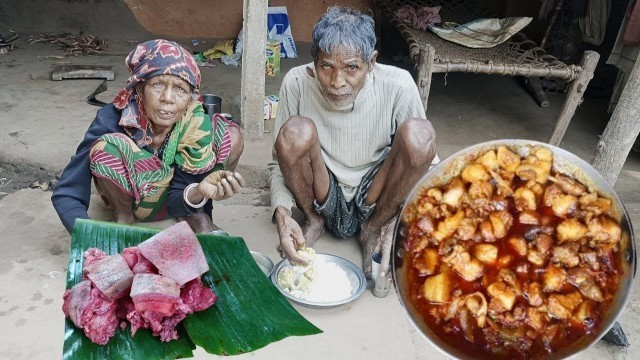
point(149, 59)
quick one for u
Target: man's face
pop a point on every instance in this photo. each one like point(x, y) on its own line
point(342, 74)
point(166, 97)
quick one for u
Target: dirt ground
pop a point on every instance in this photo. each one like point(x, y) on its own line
point(21, 175)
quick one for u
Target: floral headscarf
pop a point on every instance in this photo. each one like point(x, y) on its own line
point(149, 59)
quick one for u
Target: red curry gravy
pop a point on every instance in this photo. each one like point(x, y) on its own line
point(528, 297)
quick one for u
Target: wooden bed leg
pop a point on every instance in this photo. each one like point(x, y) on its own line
point(534, 86)
point(574, 96)
point(621, 131)
point(423, 80)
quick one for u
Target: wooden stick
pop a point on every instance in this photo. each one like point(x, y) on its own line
point(566, 73)
point(534, 86)
point(556, 11)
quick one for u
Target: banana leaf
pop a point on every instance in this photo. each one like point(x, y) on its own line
point(250, 312)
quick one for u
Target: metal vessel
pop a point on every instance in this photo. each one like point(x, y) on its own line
point(564, 162)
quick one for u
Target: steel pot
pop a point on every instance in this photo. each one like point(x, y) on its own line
point(564, 162)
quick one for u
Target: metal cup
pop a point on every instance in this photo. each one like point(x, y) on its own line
point(381, 283)
point(212, 104)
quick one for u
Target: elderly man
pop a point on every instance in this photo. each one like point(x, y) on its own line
point(352, 139)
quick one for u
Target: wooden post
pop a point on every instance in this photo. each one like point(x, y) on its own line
point(574, 96)
point(621, 131)
point(425, 61)
point(254, 37)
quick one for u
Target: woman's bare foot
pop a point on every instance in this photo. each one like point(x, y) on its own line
point(126, 218)
point(199, 222)
point(312, 230)
point(119, 202)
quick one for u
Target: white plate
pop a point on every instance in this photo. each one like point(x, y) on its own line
point(354, 273)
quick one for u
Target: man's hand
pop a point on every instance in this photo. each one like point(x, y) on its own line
point(221, 184)
point(290, 233)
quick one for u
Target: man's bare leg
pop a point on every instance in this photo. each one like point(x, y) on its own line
point(116, 199)
point(312, 230)
point(411, 153)
point(305, 173)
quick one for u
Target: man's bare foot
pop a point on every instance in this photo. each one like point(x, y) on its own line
point(386, 242)
point(373, 240)
point(312, 230)
point(369, 239)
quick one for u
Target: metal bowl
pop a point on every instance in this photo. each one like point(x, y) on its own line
point(264, 263)
point(354, 273)
point(564, 162)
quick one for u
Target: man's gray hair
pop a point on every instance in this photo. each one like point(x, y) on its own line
point(344, 27)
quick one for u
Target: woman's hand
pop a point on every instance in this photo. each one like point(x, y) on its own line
point(221, 184)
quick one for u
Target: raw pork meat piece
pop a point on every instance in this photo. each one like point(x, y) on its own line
point(138, 263)
point(123, 307)
point(111, 275)
point(157, 293)
point(90, 311)
point(91, 256)
point(158, 306)
point(176, 253)
point(160, 325)
point(76, 300)
point(197, 296)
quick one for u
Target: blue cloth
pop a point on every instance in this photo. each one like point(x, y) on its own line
point(72, 194)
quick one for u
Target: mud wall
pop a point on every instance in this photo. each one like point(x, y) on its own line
point(187, 19)
point(223, 18)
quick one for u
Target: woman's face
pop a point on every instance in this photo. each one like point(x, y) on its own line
point(342, 74)
point(165, 98)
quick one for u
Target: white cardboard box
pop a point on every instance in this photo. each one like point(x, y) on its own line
point(270, 106)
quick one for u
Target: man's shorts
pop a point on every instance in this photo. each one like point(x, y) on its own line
point(343, 219)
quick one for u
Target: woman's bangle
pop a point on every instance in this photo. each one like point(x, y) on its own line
point(185, 195)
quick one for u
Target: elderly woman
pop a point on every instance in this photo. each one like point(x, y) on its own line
point(351, 141)
point(153, 153)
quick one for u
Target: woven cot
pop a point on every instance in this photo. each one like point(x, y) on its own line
point(518, 56)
